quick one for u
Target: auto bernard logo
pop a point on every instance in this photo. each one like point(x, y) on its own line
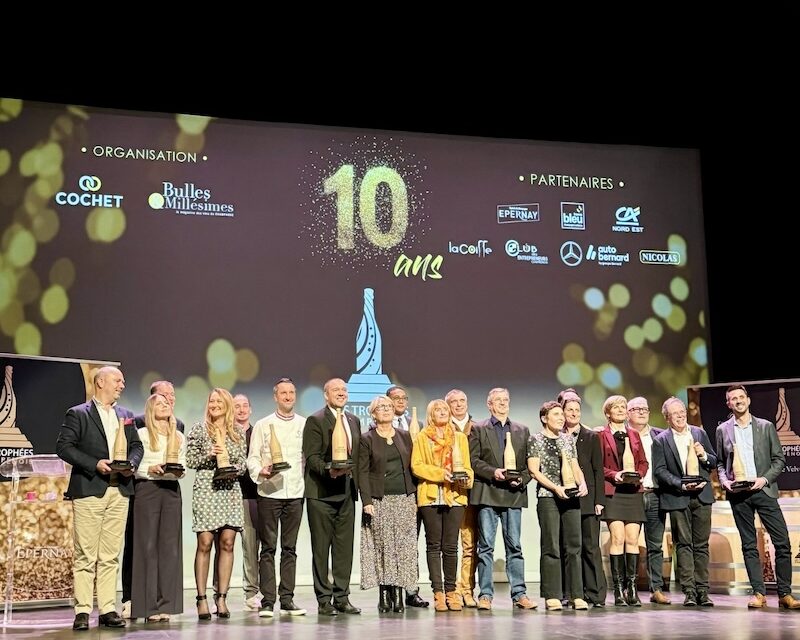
point(507, 213)
point(652, 256)
point(525, 252)
point(627, 220)
point(606, 255)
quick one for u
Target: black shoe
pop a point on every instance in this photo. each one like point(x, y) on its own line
point(221, 598)
point(111, 619)
point(397, 599)
point(598, 605)
point(344, 606)
point(81, 622)
point(413, 600)
point(703, 600)
point(384, 599)
point(690, 599)
point(289, 608)
point(326, 609)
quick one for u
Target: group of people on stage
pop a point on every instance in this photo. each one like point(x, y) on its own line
point(457, 477)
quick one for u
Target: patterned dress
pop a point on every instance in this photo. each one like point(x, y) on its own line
point(215, 503)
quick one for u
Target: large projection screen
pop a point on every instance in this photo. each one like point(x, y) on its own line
point(229, 253)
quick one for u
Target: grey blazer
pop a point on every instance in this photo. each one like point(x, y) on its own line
point(766, 451)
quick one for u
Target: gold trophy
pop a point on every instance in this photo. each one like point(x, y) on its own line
point(121, 462)
point(458, 473)
point(340, 459)
point(172, 466)
point(224, 468)
point(510, 461)
point(692, 467)
point(413, 427)
point(278, 463)
point(740, 480)
point(629, 474)
point(568, 476)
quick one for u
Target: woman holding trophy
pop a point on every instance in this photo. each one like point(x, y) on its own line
point(389, 521)
point(624, 466)
point(440, 459)
point(157, 588)
point(216, 448)
point(553, 462)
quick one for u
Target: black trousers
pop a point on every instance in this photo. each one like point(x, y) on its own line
point(332, 527)
point(691, 529)
point(442, 525)
point(272, 515)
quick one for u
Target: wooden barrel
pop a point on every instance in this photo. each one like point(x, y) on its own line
point(726, 570)
point(791, 511)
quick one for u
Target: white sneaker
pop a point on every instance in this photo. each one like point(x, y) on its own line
point(266, 612)
point(126, 610)
point(253, 604)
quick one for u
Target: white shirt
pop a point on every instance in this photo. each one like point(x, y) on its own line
point(400, 422)
point(461, 424)
point(110, 421)
point(647, 443)
point(682, 442)
point(288, 484)
point(151, 457)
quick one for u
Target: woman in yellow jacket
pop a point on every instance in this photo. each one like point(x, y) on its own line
point(440, 460)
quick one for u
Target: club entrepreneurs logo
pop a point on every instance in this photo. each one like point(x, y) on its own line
point(525, 252)
point(89, 196)
point(189, 199)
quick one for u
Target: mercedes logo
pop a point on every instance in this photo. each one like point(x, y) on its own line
point(571, 253)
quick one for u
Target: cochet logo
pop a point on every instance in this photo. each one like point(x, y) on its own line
point(481, 248)
point(90, 185)
point(651, 256)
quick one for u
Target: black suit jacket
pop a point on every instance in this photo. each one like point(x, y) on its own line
point(590, 460)
point(372, 464)
point(317, 451)
point(668, 470)
point(82, 442)
point(486, 455)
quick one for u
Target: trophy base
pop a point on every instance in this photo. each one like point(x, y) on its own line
point(631, 477)
point(338, 464)
point(742, 484)
point(224, 473)
point(459, 475)
point(572, 492)
point(512, 474)
point(121, 465)
point(280, 466)
point(692, 479)
point(173, 468)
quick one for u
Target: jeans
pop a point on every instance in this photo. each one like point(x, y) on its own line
point(654, 539)
point(511, 521)
point(744, 506)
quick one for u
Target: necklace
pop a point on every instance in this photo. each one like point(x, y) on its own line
point(388, 436)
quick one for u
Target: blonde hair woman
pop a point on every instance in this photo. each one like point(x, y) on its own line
point(216, 504)
point(441, 499)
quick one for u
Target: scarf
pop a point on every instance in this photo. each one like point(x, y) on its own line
point(442, 447)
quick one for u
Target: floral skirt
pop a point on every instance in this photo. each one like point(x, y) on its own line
point(389, 543)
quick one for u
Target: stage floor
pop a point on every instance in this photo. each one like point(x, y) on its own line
point(730, 617)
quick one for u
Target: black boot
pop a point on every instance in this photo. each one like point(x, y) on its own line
point(632, 592)
point(617, 578)
point(397, 600)
point(384, 599)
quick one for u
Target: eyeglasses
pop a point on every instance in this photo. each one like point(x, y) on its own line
point(639, 410)
point(403, 398)
point(384, 407)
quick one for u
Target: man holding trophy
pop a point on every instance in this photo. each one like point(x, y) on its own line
point(275, 464)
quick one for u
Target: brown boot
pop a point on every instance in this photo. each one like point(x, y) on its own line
point(454, 601)
point(439, 602)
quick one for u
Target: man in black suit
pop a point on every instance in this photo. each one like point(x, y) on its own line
point(331, 496)
point(760, 451)
point(500, 498)
point(590, 460)
point(166, 389)
point(99, 495)
point(688, 504)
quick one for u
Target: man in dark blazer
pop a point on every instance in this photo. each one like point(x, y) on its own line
point(500, 498)
point(758, 446)
point(99, 495)
point(688, 504)
point(590, 460)
point(331, 496)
